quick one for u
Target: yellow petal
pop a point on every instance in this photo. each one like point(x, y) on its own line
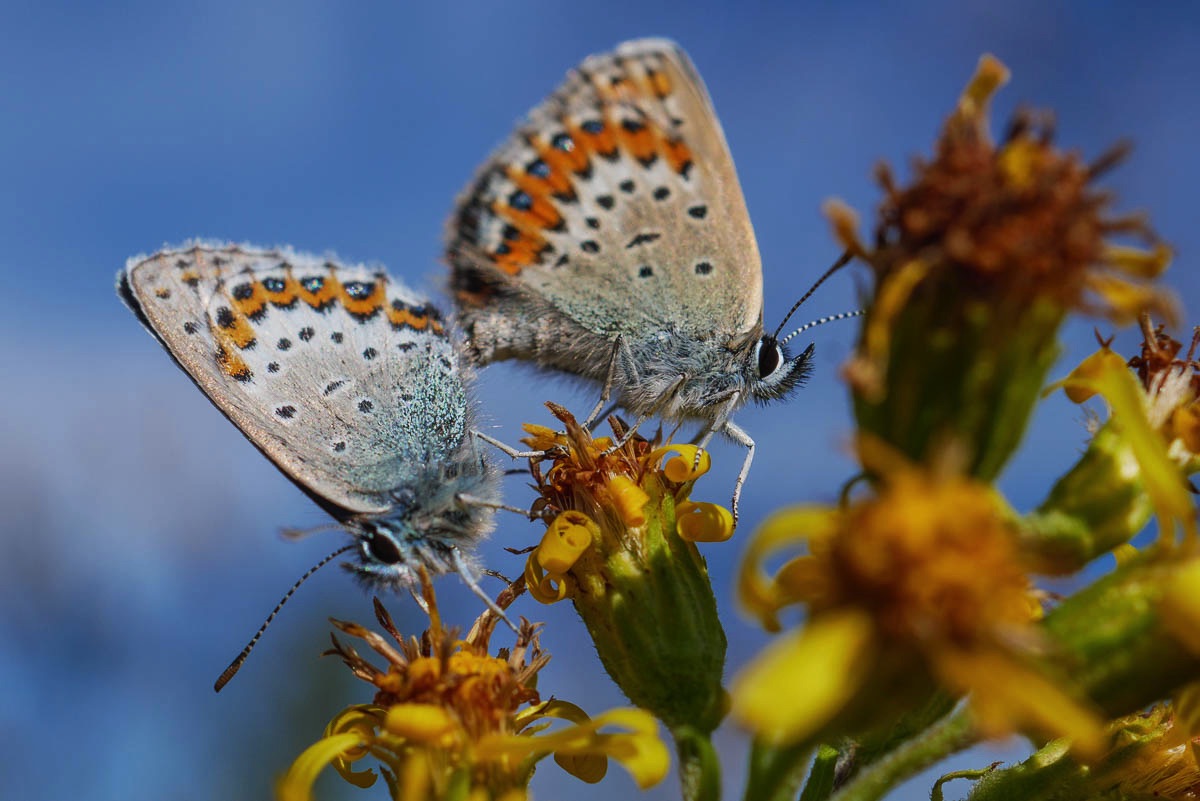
point(1137, 262)
point(546, 588)
point(1185, 424)
point(1081, 383)
point(565, 540)
point(685, 466)
point(703, 522)
point(423, 723)
point(1105, 373)
point(541, 438)
point(630, 500)
point(1008, 696)
point(758, 593)
point(639, 750)
point(989, 76)
point(1127, 300)
point(801, 681)
point(296, 784)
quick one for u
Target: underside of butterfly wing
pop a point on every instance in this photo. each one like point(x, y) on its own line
point(347, 380)
point(614, 210)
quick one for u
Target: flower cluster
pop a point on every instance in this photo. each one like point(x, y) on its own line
point(451, 720)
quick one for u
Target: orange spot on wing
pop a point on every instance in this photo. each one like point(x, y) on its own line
point(254, 304)
point(233, 365)
point(678, 155)
point(660, 84)
point(328, 292)
point(641, 140)
point(361, 306)
point(567, 161)
point(556, 183)
point(521, 252)
point(541, 215)
point(286, 296)
point(603, 142)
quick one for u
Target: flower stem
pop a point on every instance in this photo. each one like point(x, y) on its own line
point(822, 776)
point(699, 766)
point(952, 733)
point(775, 772)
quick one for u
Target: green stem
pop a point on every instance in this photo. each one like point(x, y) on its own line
point(952, 733)
point(821, 778)
point(775, 772)
point(699, 767)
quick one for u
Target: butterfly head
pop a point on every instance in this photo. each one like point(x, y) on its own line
point(771, 373)
point(429, 522)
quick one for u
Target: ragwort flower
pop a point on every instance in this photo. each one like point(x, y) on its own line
point(621, 546)
point(1137, 462)
point(450, 720)
point(919, 585)
point(976, 263)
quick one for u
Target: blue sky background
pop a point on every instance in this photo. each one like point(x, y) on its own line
point(140, 545)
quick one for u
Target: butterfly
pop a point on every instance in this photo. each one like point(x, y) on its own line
point(608, 238)
point(350, 382)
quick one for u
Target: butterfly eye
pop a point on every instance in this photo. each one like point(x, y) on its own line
point(383, 548)
point(770, 356)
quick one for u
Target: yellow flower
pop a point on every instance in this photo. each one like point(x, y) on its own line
point(920, 583)
point(449, 720)
point(1153, 421)
point(621, 546)
point(977, 261)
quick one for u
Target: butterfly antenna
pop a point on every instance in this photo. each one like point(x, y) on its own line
point(821, 321)
point(842, 261)
point(236, 664)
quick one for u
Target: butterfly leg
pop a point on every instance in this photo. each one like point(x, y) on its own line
point(735, 433)
point(508, 450)
point(642, 418)
point(471, 500)
point(619, 352)
point(468, 576)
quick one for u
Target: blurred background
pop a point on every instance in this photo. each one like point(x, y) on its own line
point(141, 541)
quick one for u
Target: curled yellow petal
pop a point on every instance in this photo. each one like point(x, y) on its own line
point(565, 540)
point(703, 522)
point(422, 723)
point(685, 466)
point(546, 588)
point(630, 500)
point(297, 783)
point(828, 658)
point(757, 592)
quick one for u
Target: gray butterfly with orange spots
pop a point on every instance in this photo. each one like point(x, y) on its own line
point(608, 238)
point(348, 381)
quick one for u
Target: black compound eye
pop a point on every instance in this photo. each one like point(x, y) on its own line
point(383, 548)
point(770, 355)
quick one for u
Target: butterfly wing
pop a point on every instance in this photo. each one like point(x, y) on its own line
point(346, 380)
point(615, 206)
